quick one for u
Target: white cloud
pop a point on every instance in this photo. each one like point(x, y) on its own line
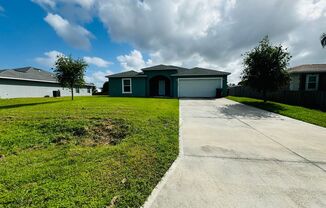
point(133, 61)
point(45, 3)
point(99, 62)
point(49, 58)
point(310, 11)
point(212, 33)
point(1, 9)
point(98, 78)
point(75, 35)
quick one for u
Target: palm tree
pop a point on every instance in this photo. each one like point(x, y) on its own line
point(323, 40)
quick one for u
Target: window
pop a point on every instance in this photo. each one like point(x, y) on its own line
point(77, 90)
point(126, 85)
point(88, 90)
point(312, 82)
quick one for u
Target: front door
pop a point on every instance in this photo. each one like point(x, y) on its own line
point(161, 87)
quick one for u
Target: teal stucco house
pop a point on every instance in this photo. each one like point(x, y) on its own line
point(168, 81)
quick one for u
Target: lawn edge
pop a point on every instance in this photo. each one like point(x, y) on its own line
point(289, 117)
point(155, 192)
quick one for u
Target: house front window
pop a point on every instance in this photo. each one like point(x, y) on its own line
point(88, 90)
point(77, 90)
point(126, 85)
point(312, 82)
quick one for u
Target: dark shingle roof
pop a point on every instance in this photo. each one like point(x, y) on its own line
point(201, 72)
point(162, 67)
point(30, 74)
point(308, 68)
point(180, 71)
point(127, 74)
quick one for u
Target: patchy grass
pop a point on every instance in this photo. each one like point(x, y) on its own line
point(304, 114)
point(93, 151)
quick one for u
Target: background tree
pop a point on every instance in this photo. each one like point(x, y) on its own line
point(105, 88)
point(70, 73)
point(323, 40)
point(265, 67)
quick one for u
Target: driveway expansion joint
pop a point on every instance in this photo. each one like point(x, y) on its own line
point(253, 159)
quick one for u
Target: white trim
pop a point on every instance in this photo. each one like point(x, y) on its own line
point(307, 81)
point(122, 84)
point(207, 78)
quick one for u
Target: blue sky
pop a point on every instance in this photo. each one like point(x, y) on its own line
point(24, 36)
point(120, 35)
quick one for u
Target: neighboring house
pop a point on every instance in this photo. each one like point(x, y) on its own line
point(168, 81)
point(308, 77)
point(33, 82)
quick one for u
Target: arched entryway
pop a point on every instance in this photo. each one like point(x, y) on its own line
point(160, 86)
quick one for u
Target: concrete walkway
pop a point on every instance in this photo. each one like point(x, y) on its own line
point(234, 155)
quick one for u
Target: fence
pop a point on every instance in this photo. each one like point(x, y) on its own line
point(312, 99)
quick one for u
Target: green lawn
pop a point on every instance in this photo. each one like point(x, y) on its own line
point(304, 114)
point(86, 152)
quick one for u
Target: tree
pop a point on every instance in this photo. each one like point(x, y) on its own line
point(323, 40)
point(105, 88)
point(265, 67)
point(70, 73)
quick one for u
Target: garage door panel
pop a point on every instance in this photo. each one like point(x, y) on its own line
point(199, 87)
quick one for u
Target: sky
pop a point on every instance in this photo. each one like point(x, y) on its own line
point(119, 35)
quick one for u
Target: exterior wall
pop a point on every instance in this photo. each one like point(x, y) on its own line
point(294, 82)
point(322, 82)
point(299, 82)
point(19, 88)
point(167, 74)
point(138, 86)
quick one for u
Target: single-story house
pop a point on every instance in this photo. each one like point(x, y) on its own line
point(308, 77)
point(33, 82)
point(168, 81)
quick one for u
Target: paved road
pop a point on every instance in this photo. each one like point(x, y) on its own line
point(239, 156)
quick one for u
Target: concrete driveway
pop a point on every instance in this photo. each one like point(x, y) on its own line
point(234, 155)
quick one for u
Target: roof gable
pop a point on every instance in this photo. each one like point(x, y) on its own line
point(197, 71)
point(163, 67)
point(127, 74)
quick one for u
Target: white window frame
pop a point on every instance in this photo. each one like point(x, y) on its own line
point(307, 82)
point(122, 84)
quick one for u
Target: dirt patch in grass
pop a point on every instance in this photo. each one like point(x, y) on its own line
point(87, 132)
point(108, 132)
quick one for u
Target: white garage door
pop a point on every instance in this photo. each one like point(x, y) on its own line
point(199, 87)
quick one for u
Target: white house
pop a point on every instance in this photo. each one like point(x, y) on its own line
point(33, 82)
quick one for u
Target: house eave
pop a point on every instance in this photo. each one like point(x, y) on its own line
point(200, 75)
point(31, 80)
point(40, 81)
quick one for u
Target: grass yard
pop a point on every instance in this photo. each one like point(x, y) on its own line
point(301, 113)
point(91, 152)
